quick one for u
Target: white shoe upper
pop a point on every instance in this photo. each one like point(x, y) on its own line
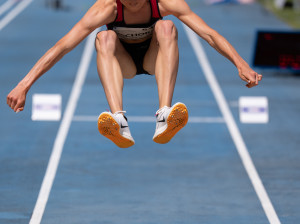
point(161, 120)
point(123, 123)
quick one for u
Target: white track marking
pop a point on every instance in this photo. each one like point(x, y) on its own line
point(6, 6)
point(145, 119)
point(63, 131)
point(233, 129)
point(14, 12)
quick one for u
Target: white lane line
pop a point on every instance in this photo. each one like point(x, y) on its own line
point(13, 13)
point(6, 6)
point(233, 129)
point(63, 131)
point(145, 119)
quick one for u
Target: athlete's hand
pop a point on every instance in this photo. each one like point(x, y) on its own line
point(251, 77)
point(16, 98)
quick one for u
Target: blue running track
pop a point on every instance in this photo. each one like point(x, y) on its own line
point(199, 177)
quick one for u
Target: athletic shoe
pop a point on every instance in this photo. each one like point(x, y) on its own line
point(169, 120)
point(115, 127)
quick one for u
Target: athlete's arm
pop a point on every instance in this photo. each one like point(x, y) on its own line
point(182, 11)
point(102, 12)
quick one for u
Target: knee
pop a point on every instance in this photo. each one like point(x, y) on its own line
point(165, 29)
point(106, 41)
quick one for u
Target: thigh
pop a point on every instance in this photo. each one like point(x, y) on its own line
point(151, 55)
point(164, 30)
point(126, 62)
point(108, 43)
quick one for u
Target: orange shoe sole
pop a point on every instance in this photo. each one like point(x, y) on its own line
point(176, 120)
point(110, 129)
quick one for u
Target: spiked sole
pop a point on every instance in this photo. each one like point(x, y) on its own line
point(176, 120)
point(110, 129)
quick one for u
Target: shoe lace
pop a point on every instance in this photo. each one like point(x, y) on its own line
point(120, 112)
point(161, 110)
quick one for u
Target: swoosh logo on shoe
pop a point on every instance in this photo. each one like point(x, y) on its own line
point(123, 126)
point(163, 120)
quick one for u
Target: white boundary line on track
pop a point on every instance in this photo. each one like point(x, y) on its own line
point(14, 12)
point(233, 129)
point(145, 119)
point(63, 131)
point(6, 6)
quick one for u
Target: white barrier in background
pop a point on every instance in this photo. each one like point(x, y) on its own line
point(46, 107)
point(254, 109)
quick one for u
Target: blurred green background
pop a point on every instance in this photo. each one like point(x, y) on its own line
point(290, 13)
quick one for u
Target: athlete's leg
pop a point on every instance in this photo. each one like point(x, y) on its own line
point(114, 64)
point(162, 60)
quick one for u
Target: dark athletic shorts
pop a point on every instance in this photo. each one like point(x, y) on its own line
point(137, 52)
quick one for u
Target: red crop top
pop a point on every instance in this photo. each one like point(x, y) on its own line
point(134, 31)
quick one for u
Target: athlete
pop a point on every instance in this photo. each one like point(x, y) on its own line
point(137, 41)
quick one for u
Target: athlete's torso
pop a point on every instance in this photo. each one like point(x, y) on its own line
point(128, 30)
